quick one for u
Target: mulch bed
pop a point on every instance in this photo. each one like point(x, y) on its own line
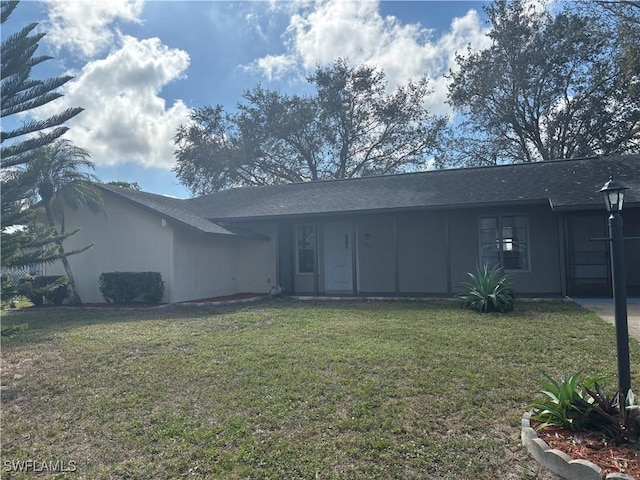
point(594, 448)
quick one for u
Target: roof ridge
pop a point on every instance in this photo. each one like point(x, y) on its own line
point(129, 191)
point(421, 172)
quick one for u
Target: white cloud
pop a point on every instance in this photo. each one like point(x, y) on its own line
point(84, 26)
point(337, 28)
point(125, 119)
point(275, 66)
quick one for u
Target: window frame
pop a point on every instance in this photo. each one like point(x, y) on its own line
point(314, 248)
point(501, 240)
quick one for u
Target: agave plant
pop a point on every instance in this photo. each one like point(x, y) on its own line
point(489, 290)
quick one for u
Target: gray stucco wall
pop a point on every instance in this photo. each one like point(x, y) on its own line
point(422, 252)
point(257, 259)
point(126, 239)
point(376, 264)
point(430, 253)
point(193, 265)
point(210, 266)
point(631, 218)
point(204, 266)
point(542, 278)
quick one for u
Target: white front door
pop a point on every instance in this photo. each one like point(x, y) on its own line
point(338, 258)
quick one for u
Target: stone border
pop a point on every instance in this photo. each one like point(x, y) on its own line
point(559, 462)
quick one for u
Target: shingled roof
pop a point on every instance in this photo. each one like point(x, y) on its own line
point(563, 184)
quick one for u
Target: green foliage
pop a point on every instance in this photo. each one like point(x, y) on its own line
point(361, 390)
point(349, 127)
point(123, 184)
point(585, 406)
point(12, 330)
point(550, 86)
point(565, 403)
point(631, 419)
point(51, 288)
point(127, 287)
point(489, 290)
point(21, 93)
point(59, 174)
point(22, 242)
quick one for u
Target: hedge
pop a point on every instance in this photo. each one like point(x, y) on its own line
point(129, 287)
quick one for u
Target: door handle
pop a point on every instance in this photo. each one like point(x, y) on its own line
point(346, 241)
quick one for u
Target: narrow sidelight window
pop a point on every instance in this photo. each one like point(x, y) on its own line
point(306, 249)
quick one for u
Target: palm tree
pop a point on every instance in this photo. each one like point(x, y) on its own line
point(61, 179)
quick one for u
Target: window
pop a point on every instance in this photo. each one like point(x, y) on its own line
point(504, 239)
point(306, 249)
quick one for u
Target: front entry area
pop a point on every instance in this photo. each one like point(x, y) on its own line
point(338, 257)
point(588, 257)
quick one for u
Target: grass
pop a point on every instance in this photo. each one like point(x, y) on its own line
point(286, 389)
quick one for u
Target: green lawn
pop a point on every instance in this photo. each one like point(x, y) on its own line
point(286, 389)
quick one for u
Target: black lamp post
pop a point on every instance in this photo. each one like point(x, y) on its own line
point(613, 194)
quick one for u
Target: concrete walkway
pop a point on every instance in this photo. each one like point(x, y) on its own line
point(605, 309)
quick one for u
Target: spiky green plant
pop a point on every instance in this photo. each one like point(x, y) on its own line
point(585, 406)
point(564, 404)
point(489, 290)
point(631, 419)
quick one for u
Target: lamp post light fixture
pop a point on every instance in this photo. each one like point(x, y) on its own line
point(613, 195)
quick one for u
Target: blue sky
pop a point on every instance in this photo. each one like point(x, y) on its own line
point(140, 66)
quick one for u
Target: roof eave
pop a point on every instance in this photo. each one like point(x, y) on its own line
point(589, 206)
point(418, 208)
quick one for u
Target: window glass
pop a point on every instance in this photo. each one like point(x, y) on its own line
point(489, 241)
point(306, 243)
point(505, 240)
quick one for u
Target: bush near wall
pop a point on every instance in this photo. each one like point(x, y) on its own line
point(38, 289)
point(128, 287)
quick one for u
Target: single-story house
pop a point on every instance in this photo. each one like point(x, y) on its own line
point(413, 234)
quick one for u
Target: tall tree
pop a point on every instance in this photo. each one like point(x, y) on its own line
point(61, 180)
point(21, 93)
point(549, 86)
point(349, 127)
point(624, 18)
point(22, 242)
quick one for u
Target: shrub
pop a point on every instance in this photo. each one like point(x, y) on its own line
point(127, 287)
point(489, 290)
point(631, 419)
point(585, 406)
point(565, 403)
point(38, 289)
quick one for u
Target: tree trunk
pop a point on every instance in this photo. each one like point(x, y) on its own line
point(74, 298)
